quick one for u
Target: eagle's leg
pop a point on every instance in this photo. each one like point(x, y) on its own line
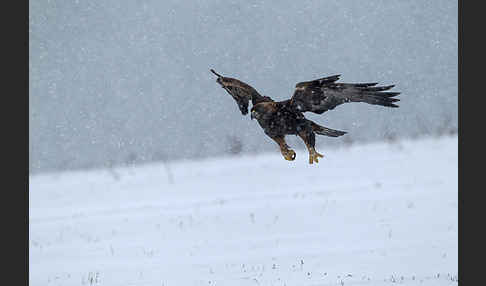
point(309, 139)
point(287, 153)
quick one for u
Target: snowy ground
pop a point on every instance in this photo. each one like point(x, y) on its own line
point(374, 214)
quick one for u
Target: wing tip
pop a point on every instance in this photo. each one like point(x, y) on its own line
point(332, 77)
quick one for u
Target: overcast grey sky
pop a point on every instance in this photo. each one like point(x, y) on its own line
point(113, 82)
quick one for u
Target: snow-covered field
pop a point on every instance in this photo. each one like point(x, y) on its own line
point(374, 214)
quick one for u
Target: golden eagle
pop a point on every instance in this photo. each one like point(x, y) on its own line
point(280, 118)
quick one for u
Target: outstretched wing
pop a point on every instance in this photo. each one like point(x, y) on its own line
point(241, 92)
point(324, 94)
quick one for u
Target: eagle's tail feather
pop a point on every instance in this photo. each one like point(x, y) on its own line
point(321, 130)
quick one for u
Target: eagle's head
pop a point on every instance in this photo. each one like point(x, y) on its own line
point(256, 112)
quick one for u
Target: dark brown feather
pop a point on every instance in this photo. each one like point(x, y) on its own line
point(325, 94)
point(241, 92)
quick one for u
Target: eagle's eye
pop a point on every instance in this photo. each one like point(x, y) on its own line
point(253, 114)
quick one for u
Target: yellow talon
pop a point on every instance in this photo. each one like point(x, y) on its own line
point(314, 156)
point(289, 155)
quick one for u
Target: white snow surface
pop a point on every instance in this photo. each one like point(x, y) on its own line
point(373, 214)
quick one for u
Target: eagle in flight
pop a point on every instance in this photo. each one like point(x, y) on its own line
point(280, 118)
